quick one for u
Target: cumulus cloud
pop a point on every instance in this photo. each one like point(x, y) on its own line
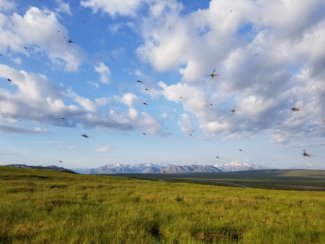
point(141, 120)
point(6, 5)
point(63, 7)
point(35, 98)
point(113, 7)
point(148, 124)
point(128, 99)
point(268, 56)
point(39, 32)
point(266, 64)
point(104, 72)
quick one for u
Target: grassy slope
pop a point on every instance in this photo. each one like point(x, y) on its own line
point(52, 207)
point(270, 179)
point(304, 173)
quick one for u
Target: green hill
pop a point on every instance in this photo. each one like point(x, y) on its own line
point(303, 173)
point(44, 206)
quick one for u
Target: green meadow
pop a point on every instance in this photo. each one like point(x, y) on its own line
point(40, 206)
point(296, 179)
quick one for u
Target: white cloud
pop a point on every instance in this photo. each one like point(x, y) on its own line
point(292, 18)
point(268, 55)
point(42, 33)
point(133, 113)
point(102, 101)
point(128, 99)
point(37, 99)
point(165, 45)
point(63, 7)
point(192, 96)
point(6, 5)
point(84, 102)
point(104, 72)
point(141, 120)
point(266, 63)
point(113, 7)
point(148, 124)
point(185, 123)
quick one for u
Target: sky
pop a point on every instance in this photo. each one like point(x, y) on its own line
point(167, 81)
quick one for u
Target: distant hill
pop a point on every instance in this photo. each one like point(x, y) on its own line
point(311, 173)
point(309, 166)
point(51, 167)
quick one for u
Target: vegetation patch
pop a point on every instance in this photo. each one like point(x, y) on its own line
point(25, 231)
point(91, 187)
point(179, 199)
point(4, 233)
point(61, 202)
point(224, 233)
point(153, 228)
point(311, 237)
point(58, 186)
point(135, 199)
point(21, 190)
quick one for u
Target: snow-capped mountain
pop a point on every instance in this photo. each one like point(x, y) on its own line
point(194, 168)
point(169, 168)
point(238, 166)
point(148, 168)
point(122, 168)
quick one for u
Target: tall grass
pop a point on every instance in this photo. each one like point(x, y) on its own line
point(50, 207)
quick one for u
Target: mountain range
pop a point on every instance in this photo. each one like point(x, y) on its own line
point(168, 168)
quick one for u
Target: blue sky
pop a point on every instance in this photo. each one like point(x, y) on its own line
point(73, 68)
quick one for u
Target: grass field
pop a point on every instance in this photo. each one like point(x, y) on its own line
point(268, 179)
point(39, 206)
